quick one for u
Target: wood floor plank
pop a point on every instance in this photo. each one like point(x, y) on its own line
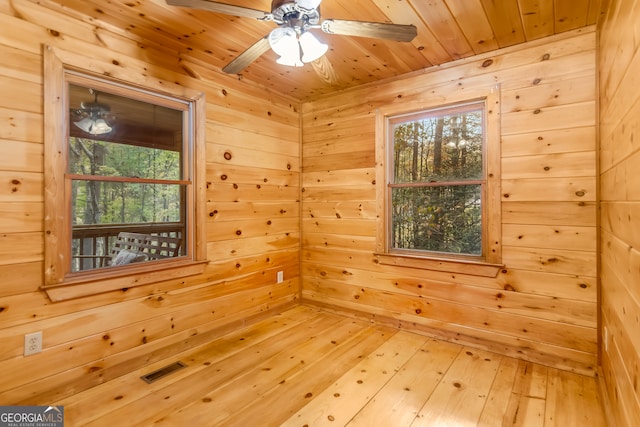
point(572, 401)
point(399, 401)
point(531, 380)
point(461, 395)
point(260, 379)
point(497, 403)
point(340, 402)
point(524, 411)
point(294, 393)
point(527, 401)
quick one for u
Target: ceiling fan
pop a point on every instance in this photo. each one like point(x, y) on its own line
point(292, 40)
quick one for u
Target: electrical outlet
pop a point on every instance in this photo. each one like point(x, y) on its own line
point(280, 276)
point(32, 343)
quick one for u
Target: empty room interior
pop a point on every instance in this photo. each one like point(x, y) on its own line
point(321, 212)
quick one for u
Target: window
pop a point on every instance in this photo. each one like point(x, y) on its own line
point(129, 179)
point(436, 181)
point(439, 167)
point(123, 183)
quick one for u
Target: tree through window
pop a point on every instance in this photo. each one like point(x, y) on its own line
point(437, 181)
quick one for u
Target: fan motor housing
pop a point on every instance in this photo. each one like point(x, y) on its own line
point(286, 12)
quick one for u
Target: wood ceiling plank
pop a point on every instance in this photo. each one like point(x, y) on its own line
point(537, 18)
point(505, 21)
point(438, 17)
point(474, 23)
point(570, 14)
point(596, 8)
point(427, 44)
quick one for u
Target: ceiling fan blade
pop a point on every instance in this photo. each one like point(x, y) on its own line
point(228, 9)
point(243, 60)
point(377, 30)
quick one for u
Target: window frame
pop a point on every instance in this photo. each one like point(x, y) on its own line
point(490, 262)
point(62, 68)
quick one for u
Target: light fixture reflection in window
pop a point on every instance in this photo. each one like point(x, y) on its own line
point(93, 122)
point(94, 125)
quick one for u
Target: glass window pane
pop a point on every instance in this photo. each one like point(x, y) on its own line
point(441, 219)
point(100, 202)
point(101, 210)
point(439, 147)
point(125, 137)
point(94, 157)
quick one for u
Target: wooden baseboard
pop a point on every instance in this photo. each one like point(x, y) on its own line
point(459, 338)
point(603, 396)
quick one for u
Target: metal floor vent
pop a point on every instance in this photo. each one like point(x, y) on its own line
point(162, 372)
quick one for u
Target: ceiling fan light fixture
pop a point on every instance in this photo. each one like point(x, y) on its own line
point(291, 59)
point(312, 48)
point(284, 42)
point(308, 4)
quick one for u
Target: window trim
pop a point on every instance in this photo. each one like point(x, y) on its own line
point(491, 262)
point(59, 283)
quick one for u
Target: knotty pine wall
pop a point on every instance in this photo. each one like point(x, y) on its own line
point(252, 202)
point(619, 68)
point(543, 305)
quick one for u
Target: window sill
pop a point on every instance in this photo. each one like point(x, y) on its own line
point(462, 266)
point(110, 279)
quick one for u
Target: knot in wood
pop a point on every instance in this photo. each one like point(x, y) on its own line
point(487, 63)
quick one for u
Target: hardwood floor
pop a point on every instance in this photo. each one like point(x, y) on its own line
point(308, 367)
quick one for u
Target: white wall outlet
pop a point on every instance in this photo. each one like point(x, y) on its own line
point(32, 343)
point(280, 276)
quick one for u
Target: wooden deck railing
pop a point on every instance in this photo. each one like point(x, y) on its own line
point(91, 245)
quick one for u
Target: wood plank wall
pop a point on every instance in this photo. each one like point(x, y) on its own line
point(619, 68)
point(543, 305)
point(252, 202)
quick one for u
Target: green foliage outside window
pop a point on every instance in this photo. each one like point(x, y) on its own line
point(437, 181)
point(115, 202)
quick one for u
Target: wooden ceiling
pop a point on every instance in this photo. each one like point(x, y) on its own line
point(447, 30)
